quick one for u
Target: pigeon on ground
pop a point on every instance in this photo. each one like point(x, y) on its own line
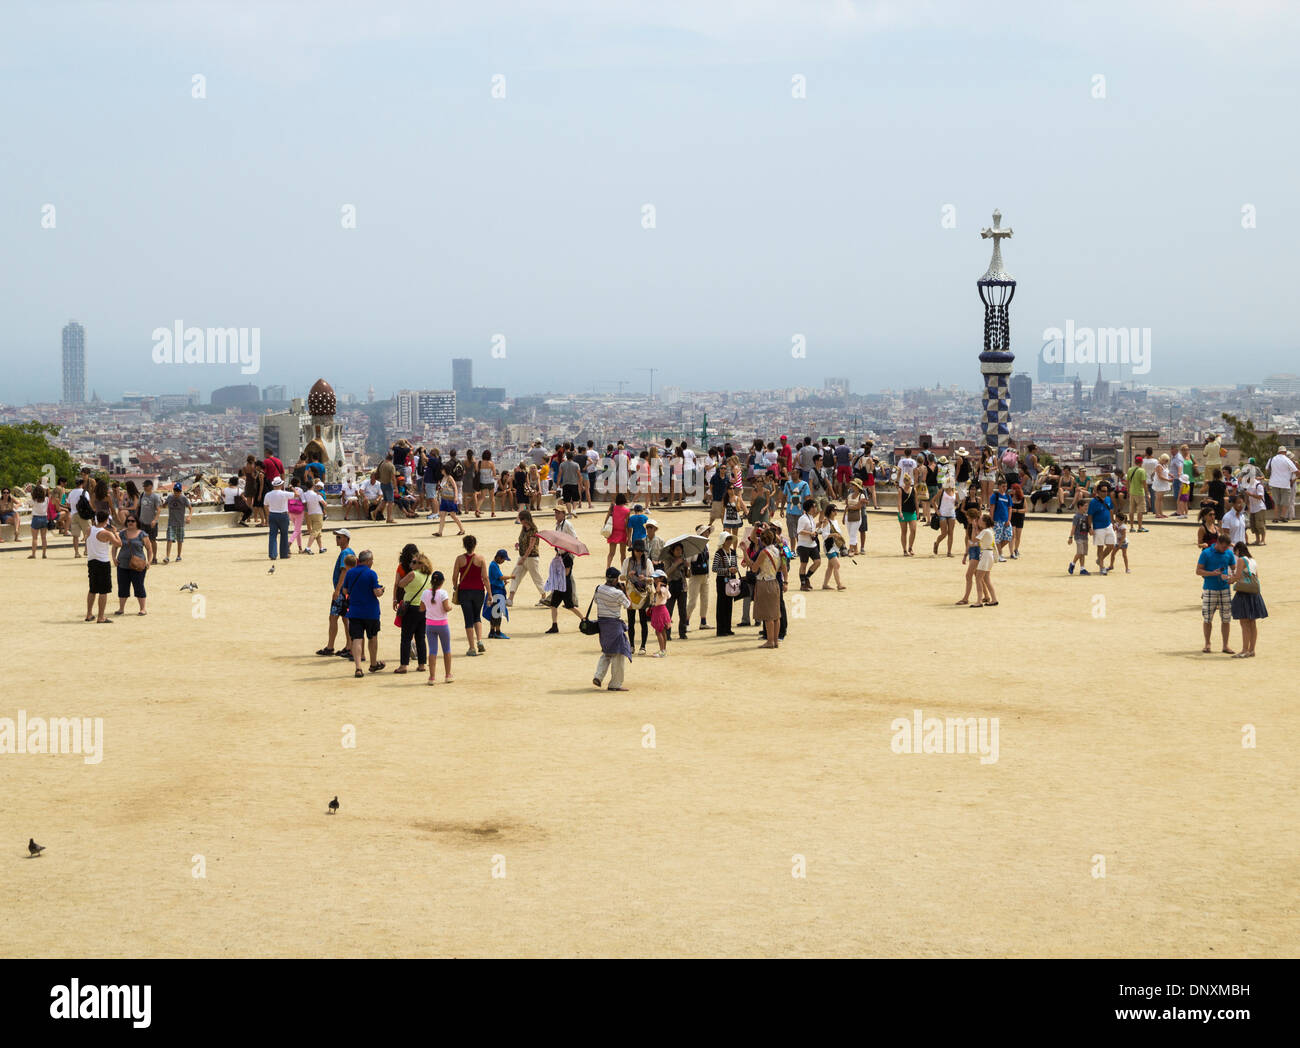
point(34, 849)
point(334, 805)
point(189, 587)
point(271, 570)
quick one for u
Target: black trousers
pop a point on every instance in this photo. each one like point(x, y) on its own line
point(413, 627)
point(632, 615)
point(722, 607)
point(677, 602)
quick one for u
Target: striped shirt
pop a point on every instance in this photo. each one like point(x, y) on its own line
point(610, 602)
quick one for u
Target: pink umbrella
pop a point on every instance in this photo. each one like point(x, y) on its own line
point(563, 540)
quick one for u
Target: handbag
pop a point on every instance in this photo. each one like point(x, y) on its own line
point(934, 521)
point(397, 621)
point(587, 626)
point(732, 587)
point(138, 563)
point(1249, 582)
point(607, 529)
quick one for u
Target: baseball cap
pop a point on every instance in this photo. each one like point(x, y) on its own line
point(344, 533)
point(176, 487)
point(652, 523)
point(503, 553)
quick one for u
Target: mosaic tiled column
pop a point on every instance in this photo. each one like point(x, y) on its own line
point(997, 288)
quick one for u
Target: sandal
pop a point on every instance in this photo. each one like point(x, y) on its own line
point(400, 669)
point(358, 674)
point(325, 651)
point(377, 667)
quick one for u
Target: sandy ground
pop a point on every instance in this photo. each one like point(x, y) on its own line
point(223, 740)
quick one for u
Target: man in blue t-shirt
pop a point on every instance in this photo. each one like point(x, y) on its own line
point(338, 603)
point(1000, 507)
point(1214, 566)
point(361, 587)
point(636, 524)
point(1099, 510)
point(795, 491)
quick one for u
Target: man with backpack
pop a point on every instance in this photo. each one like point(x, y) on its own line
point(80, 514)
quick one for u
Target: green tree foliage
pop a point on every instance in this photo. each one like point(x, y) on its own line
point(27, 455)
point(1253, 444)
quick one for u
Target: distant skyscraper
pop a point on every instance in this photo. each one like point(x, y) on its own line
point(417, 408)
point(1078, 391)
point(838, 386)
point(1050, 370)
point(1022, 392)
point(74, 363)
point(462, 377)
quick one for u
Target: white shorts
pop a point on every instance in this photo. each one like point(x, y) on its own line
point(986, 560)
point(1104, 536)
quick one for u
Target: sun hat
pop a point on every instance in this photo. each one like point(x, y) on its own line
point(962, 452)
point(943, 460)
point(278, 482)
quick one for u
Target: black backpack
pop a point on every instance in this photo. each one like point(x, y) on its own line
point(83, 507)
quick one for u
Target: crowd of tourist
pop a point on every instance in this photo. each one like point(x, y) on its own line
point(771, 506)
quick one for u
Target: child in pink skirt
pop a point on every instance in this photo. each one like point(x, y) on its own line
point(661, 621)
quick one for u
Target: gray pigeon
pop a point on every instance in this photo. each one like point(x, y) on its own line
point(189, 587)
point(34, 849)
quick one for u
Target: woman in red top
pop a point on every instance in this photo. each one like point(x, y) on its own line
point(617, 515)
point(468, 589)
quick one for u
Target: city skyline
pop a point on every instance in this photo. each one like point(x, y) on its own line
point(674, 186)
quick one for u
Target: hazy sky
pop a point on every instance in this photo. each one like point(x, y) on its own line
point(523, 215)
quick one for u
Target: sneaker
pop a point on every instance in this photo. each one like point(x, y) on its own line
point(659, 655)
point(481, 649)
point(503, 636)
point(1104, 571)
point(1002, 560)
point(471, 653)
point(1070, 569)
point(641, 652)
point(554, 629)
point(1128, 571)
point(1084, 571)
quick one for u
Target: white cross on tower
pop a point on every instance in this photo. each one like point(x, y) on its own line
point(995, 271)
